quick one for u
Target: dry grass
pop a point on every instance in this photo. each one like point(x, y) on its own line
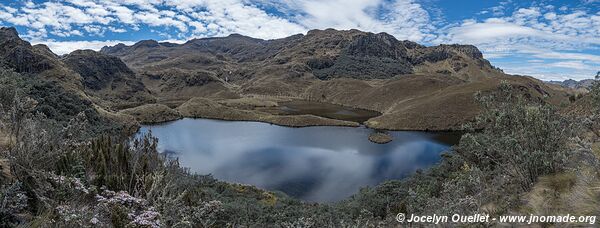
point(207, 108)
point(152, 113)
point(549, 195)
point(249, 102)
point(565, 193)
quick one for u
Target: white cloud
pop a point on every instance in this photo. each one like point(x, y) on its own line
point(548, 72)
point(535, 61)
point(563, 37)
point(565, 56)
point(191, 18)
point(489, 31)
point(541, 32)
point(65, 47)
point(404, 19)
point(223, 17)
point(577, 65)
point(567, 30)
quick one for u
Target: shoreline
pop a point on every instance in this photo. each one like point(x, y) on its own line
point(303, 126)
point(151, 114)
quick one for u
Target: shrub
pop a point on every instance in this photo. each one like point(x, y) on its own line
point(512, 143)
point(13, 201)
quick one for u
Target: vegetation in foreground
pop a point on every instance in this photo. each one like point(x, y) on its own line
point(53, 175)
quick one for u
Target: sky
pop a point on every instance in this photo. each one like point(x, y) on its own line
point(546, 39)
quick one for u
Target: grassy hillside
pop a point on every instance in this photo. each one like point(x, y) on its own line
point(57, 176)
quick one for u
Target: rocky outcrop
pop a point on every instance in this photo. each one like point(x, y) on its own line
point(19, 55)
point(369, 56)
point(99, 70)
point(380, 137)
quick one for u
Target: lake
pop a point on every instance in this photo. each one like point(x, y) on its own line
point(318, 164)
point(332, 111)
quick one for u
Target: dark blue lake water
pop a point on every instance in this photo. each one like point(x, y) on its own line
point(321, 164)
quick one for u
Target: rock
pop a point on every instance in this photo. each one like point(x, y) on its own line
point(380, 137)
point(8, 33)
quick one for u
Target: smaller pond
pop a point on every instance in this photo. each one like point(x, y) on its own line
point(332, 111)
point(321, 164)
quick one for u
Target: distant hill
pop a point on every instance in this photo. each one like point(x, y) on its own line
point(326, 54)
point(572, 84)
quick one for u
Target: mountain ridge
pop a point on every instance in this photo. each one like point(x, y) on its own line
point(573, 84)
point(350, 46)
point(414, 87)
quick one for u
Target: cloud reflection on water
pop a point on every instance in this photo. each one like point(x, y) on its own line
point(315, 163)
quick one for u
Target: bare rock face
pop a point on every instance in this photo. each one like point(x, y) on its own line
point(114, 50)
point(370, 56)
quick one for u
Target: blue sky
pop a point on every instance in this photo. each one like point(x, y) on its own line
point(547, 39)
